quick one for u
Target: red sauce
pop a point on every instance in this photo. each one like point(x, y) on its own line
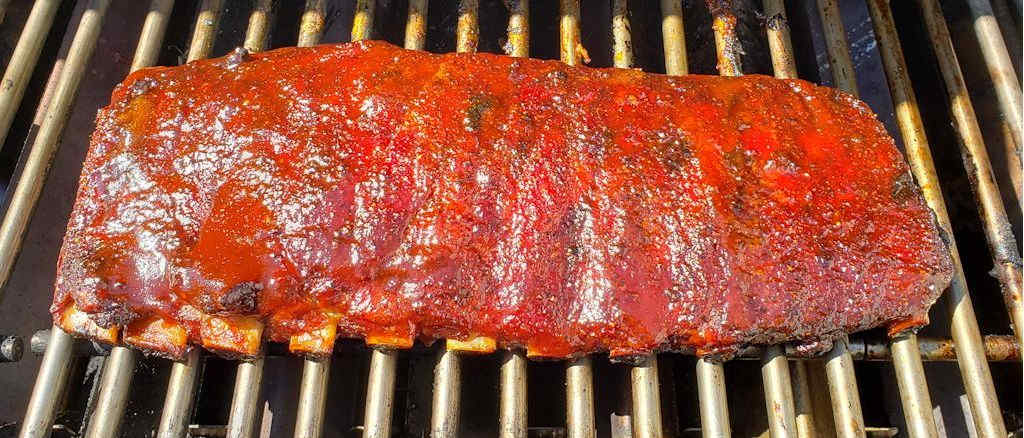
point(569, 209)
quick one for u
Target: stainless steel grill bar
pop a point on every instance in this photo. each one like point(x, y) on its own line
point(49, 386)
point(313, 389)
point(802, 404)
point(311, 26)
point(115, 382)
point(258, 30)
point(917, 404)
point(380, 394)
point(519, 28)
point(362, 23)
point(646, 418)
point(33, 174)
point(182, 383)
point(842, 382)
point(998, 230)
point(778, 392)
point(622, 44)
point(245, 399)
point(117, 369)
point(23, 61)
point(775, 371)
point(468, 27)
point(674, 37)
point(714, 413)
point(570, 47)
point(970, 353)
point(579, 381)
point(646, 399)
point(205, 31)
point(579, 398)
point(714, 409)
point(837, 46)
point(779, 44)
point(444, 421)
point(152, 36)
point(174, 419)
point(1004, 78)
point(842, 387)
point(512, 406)
point(416, 27)
point(309, 417)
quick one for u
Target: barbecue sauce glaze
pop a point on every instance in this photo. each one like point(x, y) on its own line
point(564, 209)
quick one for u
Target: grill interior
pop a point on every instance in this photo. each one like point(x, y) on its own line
point(84, 389)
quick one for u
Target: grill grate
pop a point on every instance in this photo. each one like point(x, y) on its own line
point(787, 382)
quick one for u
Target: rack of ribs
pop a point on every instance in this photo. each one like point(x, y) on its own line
point(361, 190)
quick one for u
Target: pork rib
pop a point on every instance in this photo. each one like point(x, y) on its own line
point(361, 190)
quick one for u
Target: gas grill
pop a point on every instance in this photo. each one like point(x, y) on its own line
point(446, 390)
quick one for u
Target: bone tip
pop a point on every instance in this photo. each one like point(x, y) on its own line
point(478, 344)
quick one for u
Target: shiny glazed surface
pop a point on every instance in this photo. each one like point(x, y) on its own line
point(402, 194)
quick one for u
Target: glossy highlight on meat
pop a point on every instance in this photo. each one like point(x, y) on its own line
point(361, 190)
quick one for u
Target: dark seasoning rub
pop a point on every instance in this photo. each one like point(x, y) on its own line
point(398, 194)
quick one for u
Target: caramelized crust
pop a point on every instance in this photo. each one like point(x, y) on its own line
point(361, 190)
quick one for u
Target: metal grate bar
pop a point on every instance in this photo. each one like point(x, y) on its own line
point(997, 227)
point(416, 27)
point(444, 421)
point(174, 419)
point(579, 374)
point(362, 23)
point(646, 399)
point(837, 46)
point(245, 399)
point(917, 403)
point(674, 37)
point(778, 392)
point(380, 393)
point(779, 44)
point(512, 407)
point(258, 31)
point(49, 386)
point(182, 383)
point(775, 370)
point(309, 416)
point(579, 398)
point(802, 403)
point(467, 31)
point(152, 35)
point(117, 369)
point(1004, 79)
point(519, 28)
point(842, 387)
point(970, 351)
point(714, 413)
point(54, 370)
point(842, 383)
point(205, 32)
point(714, 409)
point(311, 26)
point(33, 175)
point(115, 382)
point(622, 44)
point(23, 61)
point(646, 418)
